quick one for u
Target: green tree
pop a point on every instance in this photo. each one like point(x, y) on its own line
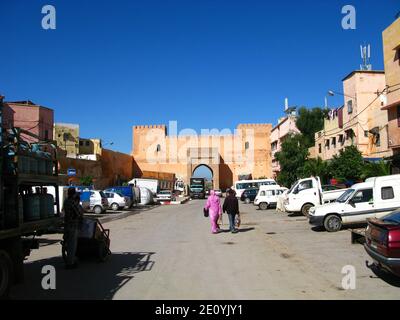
point(375, 169)
point(348, 164)
point(86, 181)
point(310, 121)
point(291, 158)
point(316, 167)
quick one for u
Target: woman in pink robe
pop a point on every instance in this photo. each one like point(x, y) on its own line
point(214, 207)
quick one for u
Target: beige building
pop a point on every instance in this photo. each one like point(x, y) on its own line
point(391, 47)
point(360, 122)
point(90, 146)
point(228, 155)
point(67, 137)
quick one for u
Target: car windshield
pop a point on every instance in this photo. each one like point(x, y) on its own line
point(345, 196)
point(102, 194)
point(393, 218)
point(165, 192)
point(292, 187)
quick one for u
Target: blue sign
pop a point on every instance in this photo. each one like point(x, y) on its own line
point(71, 172)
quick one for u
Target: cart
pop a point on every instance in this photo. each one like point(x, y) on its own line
point(93, 241)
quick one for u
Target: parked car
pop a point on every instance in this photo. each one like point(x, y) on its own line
point(98, 200)
point(307, 193)
point(117, 200)
point(218, 192)
point(267, 196)
point(373, 199)
point(126, 191)
point(164, 195)
point(249, 195)
point(383, 242)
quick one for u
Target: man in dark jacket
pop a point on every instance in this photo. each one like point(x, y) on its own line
point(231, 207)
point(72, 219)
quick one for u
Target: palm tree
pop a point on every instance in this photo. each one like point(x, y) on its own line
point(376, 169)
point(316, 167)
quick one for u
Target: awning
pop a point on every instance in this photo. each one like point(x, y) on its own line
point(392, 105)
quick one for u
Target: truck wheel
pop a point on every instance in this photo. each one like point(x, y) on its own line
point(247, 201)
point(115, 206)
point(6, 274)
point(305, 210)
point(98, 210)
point(264, 206)
point(332, 223)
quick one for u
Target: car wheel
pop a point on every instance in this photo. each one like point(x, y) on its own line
point(332, 223)
point(247, 201)
point(306, 209)
point(98, 210)
point(115, 206)
point(264, 206)
point(6, 274)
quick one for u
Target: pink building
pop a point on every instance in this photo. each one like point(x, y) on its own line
point(285, 127)
point(29, 116)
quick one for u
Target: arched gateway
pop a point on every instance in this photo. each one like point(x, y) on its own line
point(245, 152)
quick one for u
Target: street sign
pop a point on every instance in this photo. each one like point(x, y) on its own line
point(71, 172)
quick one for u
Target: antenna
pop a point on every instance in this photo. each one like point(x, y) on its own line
point(286, 104)
point(366, 57)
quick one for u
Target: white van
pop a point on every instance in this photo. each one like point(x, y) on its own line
point(372, 199)
point(146, 196)
point(307, 193)
point(151, 184)
point(268, 196)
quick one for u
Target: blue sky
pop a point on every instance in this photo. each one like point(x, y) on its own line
point(110, 65)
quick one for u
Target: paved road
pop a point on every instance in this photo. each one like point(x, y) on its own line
point(169, 253)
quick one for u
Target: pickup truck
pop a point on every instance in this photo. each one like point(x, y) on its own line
point(307, 193)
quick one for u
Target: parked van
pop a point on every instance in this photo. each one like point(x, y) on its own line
point(63, 194)
point(126, 191)
point(268, 196)
point(151, 184)
point(307, 193)
point(98, 200)
point(372, 199)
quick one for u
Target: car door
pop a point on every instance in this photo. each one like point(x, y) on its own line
point(359, 207)
point(306, 192)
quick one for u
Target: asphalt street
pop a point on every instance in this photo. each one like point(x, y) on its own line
point(168, 252)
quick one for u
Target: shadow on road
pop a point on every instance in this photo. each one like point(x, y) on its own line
point(91, 280)
point(245, 230)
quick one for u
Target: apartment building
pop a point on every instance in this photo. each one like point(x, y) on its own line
point(391, 48)
point(360, 121)
point(285, 127)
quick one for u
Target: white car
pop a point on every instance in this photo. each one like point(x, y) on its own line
point(372, 199)
point(117, 200)
point(164, 195)
point(267, 196)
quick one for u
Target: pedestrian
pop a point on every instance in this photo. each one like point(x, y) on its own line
point(72, 218)
point(213, 206)
point(231, 207)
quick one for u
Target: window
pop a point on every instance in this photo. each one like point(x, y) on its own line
point(387, 193)
point(247, 145)
point(378, 139)
point(334, 142)
point(46, 134)
point(341, 140)
point(158, 148)
point(87, 143)
point(81, 143)
point(305, 185)
point(350, 106)
point(274, 146)
point(366, 133)
point(262, 194)
point(319, 148)
point(363, 196)
point(59, 135)
point(327, 144)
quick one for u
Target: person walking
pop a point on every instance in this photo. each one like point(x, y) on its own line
point(213, 206)
point(231, 207)
point(72, 218)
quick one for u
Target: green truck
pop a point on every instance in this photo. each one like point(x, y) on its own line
point(26, 209)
